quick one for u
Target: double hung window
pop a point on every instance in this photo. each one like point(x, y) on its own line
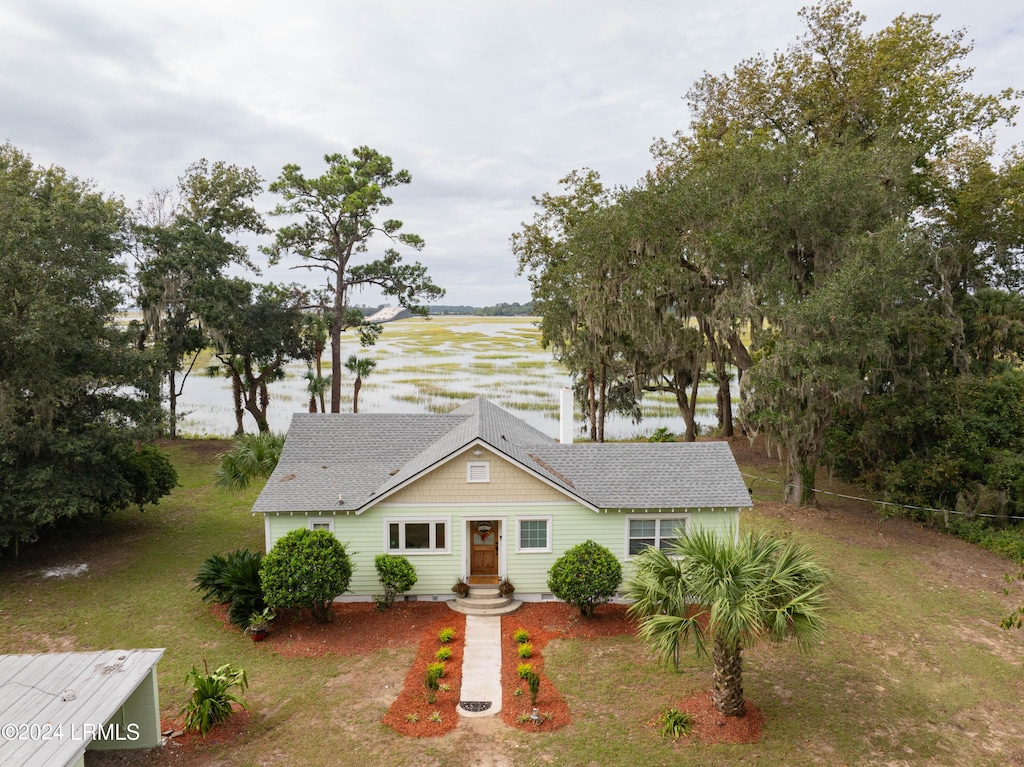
point(661, 532)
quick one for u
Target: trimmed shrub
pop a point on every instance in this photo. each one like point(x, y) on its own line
point(521, 635)
point(444, 653)
point(523, 669)
point(585, 576)
point(526, 650)
point(396, 575)
point(446, 635)
point(306, 568)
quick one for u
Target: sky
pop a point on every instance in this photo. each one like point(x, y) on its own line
point(486, 104)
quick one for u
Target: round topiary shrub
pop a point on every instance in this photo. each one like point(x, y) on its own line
point(396, 574)
point(586, 576)
point(306, 568)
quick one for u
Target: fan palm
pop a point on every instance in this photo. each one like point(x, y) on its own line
point(361, 367)
point(254, 456)
point(726, 592)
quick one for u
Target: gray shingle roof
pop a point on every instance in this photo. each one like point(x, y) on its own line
point(345, 462)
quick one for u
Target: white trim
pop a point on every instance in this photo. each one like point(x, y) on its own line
point(317, 523)
point(432, 521)
point(534, 518)
point(657, 519)
point(478, 471)
point(481, 505)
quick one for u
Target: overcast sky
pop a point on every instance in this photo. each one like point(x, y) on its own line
point(486, 103)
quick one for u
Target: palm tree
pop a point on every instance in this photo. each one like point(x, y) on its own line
point(361, 367)
point(730, 591)
point(254, 456)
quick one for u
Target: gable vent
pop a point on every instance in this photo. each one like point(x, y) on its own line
point(478, 471)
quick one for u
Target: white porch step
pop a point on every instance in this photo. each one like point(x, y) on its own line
point(484, 600)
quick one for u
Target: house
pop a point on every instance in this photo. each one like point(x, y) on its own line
point(478, 494)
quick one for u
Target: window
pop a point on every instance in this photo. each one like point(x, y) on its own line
point(534, 534)
point(417, 536)
point(322, 523)
point(662, 532)
point(478, 471)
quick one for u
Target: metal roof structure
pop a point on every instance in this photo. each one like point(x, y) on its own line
point(54, 705)
point(347, 462)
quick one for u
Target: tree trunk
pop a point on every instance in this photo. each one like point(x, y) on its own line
point(727, 694)
point(319, 377)
point(336, 359)
point(725, 425)
point(236, 391)
point(355, 394)
point(800, 487)
point(602, 403)
point(172, 405)
point(593, 404)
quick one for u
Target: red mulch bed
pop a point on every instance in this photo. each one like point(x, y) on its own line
point(191, 742)
point(545, 621)
point(710, 726)
point(410, 714)
point(357, 628)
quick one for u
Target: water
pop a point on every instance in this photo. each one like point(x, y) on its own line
point(433, 367)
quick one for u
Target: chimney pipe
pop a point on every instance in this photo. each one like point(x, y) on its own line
point(565, 417)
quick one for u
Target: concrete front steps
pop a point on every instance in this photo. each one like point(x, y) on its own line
point(483, 601)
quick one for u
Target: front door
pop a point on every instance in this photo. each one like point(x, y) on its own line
point(483, 557)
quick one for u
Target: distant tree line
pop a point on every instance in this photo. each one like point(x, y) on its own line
point(514, 309)
point(82, 392)
point(835, 229)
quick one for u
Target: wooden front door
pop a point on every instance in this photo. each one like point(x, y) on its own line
point(483, 558)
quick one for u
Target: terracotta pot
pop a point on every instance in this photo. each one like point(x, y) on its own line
point(258, 636)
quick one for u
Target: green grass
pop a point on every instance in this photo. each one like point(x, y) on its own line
point(912, 670)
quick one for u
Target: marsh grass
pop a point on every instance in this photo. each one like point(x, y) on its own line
point(434, 366)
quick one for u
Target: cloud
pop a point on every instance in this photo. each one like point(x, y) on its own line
point(487, 104)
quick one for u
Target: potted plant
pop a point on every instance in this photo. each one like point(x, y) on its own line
point(506, 587)
point(461, 588)
point(259, 624)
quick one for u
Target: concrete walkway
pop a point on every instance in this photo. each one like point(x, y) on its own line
point(481, 667)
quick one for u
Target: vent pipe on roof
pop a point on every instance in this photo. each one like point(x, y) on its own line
point(565, 417)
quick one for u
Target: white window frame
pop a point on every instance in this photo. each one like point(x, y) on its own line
point(315, 523)
point(485, 466)
point(657, 519)
point(432, 521)
point(519, 534)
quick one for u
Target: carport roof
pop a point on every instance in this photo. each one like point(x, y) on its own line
point(50, 702)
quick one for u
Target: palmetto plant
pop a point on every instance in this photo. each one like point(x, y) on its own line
point(727, 593)
point(233, 578)
point(212, 696)
point(254, 456)
point(361, 367)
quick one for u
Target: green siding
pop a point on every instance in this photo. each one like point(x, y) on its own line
point(571, 523)
point(138, 718)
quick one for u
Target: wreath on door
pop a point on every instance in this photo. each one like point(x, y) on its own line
point(483, 529)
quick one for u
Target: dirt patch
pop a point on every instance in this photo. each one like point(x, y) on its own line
point(179, 750)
